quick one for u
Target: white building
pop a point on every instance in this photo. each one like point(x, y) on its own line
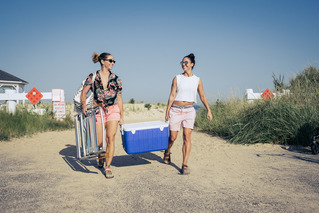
point(11, 82)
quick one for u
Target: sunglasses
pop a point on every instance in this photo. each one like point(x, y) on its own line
point(184, 62)
point(110, 60)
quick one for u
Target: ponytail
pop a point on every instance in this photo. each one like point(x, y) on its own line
point(98, 57)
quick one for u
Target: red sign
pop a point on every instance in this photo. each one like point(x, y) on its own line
point(34, 96)
point(267, 94)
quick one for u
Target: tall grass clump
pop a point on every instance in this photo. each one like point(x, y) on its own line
point(23, 123)
point(286, 119)
point(225, 117)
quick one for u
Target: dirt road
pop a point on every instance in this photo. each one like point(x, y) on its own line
point(41, 174)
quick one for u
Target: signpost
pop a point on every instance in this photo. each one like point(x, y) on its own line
point(58, 104)
point(56, 95)
point(267, 94)
point(34, 96)
point(59, 109)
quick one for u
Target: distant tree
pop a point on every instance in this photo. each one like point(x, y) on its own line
point(132, 101)
point(148, 106)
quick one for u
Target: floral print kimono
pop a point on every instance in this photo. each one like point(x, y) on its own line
point(106, 97)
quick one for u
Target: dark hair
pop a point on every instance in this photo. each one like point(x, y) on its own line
point(98, 57)
point(191, 57)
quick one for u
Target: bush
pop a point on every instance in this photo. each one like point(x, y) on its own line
point(27, 123)
point(291, 119)
point(148, 106)
point(304, 88)
point(132, 101)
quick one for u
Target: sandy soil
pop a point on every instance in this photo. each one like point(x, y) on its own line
point(41, 174)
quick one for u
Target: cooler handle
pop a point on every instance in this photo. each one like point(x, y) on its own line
point(121, 129)
point(133, 131)
point(162, 127)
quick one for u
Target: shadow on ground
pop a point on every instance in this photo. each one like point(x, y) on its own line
point(70, 157)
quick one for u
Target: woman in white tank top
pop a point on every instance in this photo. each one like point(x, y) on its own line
point(180, 111)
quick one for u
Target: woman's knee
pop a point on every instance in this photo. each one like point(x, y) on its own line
point(110, 139)
point(173, 138)
point(187, 137)
point(187, 141)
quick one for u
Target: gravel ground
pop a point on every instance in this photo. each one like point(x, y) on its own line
point(41, 174)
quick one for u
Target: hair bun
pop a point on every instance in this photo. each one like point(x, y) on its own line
point(95, 57)
point(191, 55)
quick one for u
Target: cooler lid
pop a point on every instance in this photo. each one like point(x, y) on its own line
point(145, 125)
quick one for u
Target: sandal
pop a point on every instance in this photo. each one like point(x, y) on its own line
point(108, 173)
point(185, 170)
point(100, 161)
point(166, 158)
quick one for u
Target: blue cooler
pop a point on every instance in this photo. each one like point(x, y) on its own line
point(145, 136)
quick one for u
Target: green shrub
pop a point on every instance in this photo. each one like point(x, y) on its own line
point(132, 101)
point(289, 119)
point(276, 121)
point(304, 88)
point(27, 123)
point(148, 106)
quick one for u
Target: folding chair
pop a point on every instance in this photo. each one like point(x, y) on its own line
point(86, 135)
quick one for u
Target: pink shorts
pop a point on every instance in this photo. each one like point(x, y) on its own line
point(111, 114)
point(181, 117)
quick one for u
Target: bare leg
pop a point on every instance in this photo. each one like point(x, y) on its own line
point(111, 130)
point(172, 137)
point(99, 134)
point(100, 138)
point(186, 148)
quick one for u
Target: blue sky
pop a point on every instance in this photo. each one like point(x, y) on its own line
point(237, 44)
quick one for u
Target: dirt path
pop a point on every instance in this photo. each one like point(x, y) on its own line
point(42, 174)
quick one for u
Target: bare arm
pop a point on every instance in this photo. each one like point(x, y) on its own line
point(120, 103)
point(83, 98)
point(171, 97)
point(203, 98)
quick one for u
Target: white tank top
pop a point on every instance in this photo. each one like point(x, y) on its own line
point(187, 88)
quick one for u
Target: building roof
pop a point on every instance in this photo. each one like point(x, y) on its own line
point(4, 76)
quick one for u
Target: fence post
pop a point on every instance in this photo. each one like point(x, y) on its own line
point(11, 104)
